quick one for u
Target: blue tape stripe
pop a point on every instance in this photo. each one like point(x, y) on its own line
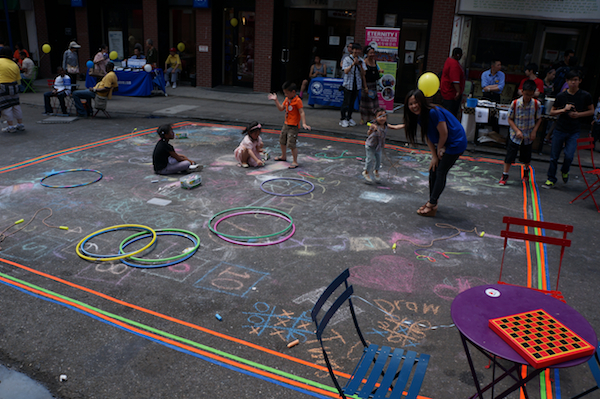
point(213, 361)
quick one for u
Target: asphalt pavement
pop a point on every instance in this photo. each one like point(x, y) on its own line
point(116, 331)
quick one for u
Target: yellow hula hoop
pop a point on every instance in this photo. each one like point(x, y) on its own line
point(111, 228)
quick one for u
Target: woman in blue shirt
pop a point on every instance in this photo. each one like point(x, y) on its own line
point(445, 138)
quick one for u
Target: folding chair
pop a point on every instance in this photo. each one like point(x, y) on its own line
point(100, 105)
point(594, 364)
point(583, 145)
point(29, 82)
point(54, 102)
point(381, 369)
point(562, 242)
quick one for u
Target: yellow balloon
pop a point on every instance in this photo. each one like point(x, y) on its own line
point(429, 84)
point(233, 22)
point(46, 48)
point(113, 55)
point(181, 47)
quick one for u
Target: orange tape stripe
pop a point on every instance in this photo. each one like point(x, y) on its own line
point(174, 320)
point(172, 342)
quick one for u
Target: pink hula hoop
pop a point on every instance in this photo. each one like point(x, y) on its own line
point(260, 244)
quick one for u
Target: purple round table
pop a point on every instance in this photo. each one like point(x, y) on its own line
point(472, 309)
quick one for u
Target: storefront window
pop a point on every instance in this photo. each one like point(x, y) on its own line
point(509, 41)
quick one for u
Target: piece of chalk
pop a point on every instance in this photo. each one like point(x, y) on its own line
point(394, 246)
point(369, 124)
point(218, 316)
point(63, 227)
point(293, 343)
point(19, 221)
point(154, 181)
point(482, 234)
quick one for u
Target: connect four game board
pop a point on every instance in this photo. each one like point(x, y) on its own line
point(539, 338)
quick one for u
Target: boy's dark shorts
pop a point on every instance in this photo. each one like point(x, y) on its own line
point(513, 148)
point(289, 136)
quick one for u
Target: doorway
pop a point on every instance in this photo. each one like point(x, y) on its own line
point(238, 47)
point(554, 41)
point(411, 55)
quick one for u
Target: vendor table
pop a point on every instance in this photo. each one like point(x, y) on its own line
point(472, 309)
point(326, 91)
point(138, 83)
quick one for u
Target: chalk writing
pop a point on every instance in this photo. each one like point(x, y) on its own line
point(230, 279)
point(448, 289)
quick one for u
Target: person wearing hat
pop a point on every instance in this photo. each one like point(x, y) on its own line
point(70, 61)
point(172, 67)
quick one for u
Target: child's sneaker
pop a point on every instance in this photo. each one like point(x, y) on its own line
point(20, 126)
point(565, 177)
point(9, 129)
point(376, 176)
point(344, 123)
point(503, 179)
point(526, 174)
point(244, 165)
point(351, 122)
point(548, 184)
point(367, 177)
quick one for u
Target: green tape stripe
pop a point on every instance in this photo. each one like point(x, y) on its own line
point(180, 339)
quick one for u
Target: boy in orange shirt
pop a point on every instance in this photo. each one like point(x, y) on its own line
point(294, 114)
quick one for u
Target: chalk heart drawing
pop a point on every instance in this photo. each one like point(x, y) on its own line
point(386, 272)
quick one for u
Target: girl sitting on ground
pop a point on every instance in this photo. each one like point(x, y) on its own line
point(165, 160)
point(250, 150)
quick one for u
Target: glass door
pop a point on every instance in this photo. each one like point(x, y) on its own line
point(238, 54)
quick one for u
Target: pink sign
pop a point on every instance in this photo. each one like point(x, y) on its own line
point(385, 42)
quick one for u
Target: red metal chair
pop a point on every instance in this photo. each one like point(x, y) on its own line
point(584, 145)
point(562, 242)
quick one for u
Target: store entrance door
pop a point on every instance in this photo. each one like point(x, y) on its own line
point(238, 52)
point(411, 53)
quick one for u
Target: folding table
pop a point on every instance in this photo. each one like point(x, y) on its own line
point(472, 309)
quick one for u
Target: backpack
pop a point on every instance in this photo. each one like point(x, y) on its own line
point(514, 105)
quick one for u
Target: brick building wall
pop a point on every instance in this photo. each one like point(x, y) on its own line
point(45, 69)
point(203, 38)
point(366, 15)
point(263, 50)
point(83, 38)
point(150, 21)
point(442, 20)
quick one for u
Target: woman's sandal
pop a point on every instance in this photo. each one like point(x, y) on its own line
point(427, 210)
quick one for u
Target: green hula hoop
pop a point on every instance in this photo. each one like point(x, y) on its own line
point(163, 259)
point(211, 228)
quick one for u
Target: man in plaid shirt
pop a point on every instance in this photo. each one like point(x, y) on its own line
point(524, 119)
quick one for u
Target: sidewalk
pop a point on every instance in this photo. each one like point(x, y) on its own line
point(240, 106)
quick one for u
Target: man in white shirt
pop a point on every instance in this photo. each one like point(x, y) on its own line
point(62, 88)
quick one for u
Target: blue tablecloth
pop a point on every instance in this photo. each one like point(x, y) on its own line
point(135, 84)
point(325, 91)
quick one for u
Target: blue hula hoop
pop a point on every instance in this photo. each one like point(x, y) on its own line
point(312, 187)
point(71, 170)
point(161, 233)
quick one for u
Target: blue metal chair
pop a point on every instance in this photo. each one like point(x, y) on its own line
point(594, 364)
point(382, 370)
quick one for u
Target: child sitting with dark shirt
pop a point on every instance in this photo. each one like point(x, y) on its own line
point(164, 158)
